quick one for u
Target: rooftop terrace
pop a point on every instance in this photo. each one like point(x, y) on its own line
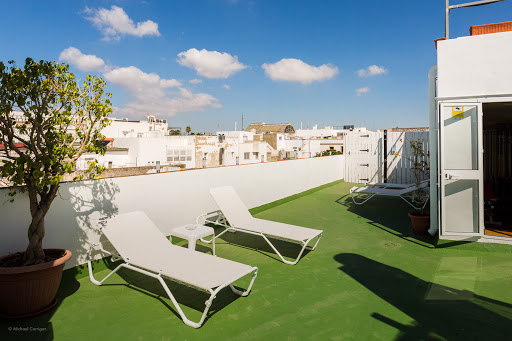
point(369, 278)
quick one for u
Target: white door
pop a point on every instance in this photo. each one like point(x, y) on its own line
point(461, 152)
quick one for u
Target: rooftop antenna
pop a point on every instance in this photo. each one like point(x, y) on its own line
point(467, 4)
point(242, 121)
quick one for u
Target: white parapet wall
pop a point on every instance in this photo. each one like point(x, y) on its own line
point(475, 66)
point(169, 199)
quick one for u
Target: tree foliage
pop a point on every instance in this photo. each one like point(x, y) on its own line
point(420, 169)
point(329, 152)
point(47, 121)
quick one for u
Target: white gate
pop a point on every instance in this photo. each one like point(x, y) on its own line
point(366, 161)
point(363, 156)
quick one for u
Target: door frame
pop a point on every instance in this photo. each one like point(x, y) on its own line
point(463, 173)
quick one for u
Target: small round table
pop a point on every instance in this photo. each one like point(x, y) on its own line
point(192, 233)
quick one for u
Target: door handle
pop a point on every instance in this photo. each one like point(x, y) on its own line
point(449, 176)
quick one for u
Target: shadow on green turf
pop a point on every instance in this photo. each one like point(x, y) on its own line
point(447, 316)
point(390, 215)
point(40, 327)
point(185, 296)
point(288, 250)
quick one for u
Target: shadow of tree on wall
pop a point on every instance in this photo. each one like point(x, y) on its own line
point(443, 316)
point(81, 204)
point(90, 201)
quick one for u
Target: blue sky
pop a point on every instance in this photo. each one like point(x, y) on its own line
point(316, 62)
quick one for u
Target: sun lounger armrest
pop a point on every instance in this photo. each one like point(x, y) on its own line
point(354, 188)
point(220, 219)
point(99, 247)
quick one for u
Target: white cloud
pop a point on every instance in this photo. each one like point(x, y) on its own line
point(210, 64)
point(362, 91)
point(227, 87)
point(295, 70)
point(195, 81)
point(140, 84)
point(168, 105)
point(372, 70)
point(151, 94)
point(84, 62)
point(115, 22)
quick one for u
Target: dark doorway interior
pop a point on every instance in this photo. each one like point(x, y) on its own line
point(497, 134)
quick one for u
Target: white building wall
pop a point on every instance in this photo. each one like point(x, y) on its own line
point(147, 151)
point(325, 132)
point(281, 142)
point(118, 158)
point(255, 151)
point(169, 199)
point(242, 136)
point(475, 65)
point(133, 128)
point(311, 147)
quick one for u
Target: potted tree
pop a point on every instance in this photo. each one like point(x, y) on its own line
point(47, 121)
point(420, 219)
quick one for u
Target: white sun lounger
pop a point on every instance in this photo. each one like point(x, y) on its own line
point(363, 194)
point(146, 250)
point(237, 215)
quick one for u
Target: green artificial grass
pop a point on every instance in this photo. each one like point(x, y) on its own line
point(370, 278)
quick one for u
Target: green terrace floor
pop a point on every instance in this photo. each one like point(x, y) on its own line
point(370, 278)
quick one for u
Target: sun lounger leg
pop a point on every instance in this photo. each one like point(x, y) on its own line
point(314, 246)
point(208, 303)
point(246, 292)
point(94, 280)
point(234, 229)
point(279, 254)
point(192, 324)
point(414, 206)
point(362, 202)
point(89, 266)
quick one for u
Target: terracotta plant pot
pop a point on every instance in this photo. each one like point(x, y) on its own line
point(420, 223)
point(28, 291)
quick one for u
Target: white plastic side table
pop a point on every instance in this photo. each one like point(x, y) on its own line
point(192, 233)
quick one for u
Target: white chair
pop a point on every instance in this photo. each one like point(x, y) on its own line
point(238, 218)
point(406, 192)
point(146, 250)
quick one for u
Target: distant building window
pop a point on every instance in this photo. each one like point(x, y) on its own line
point(280, 138)
point(331, 148)
point(255, 155)
point(245, 138)
point(179, 155)
point(139, 134)
point(247, 155)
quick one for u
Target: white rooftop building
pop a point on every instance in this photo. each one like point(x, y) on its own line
point(134, 128)
point(326, 132)
point(471, 129)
